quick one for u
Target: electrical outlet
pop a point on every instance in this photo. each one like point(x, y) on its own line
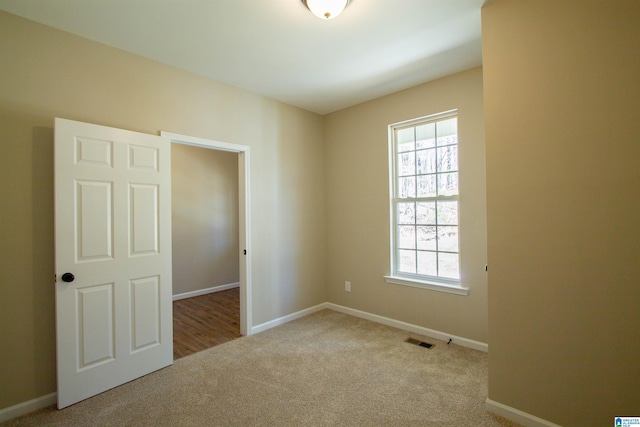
point(347, 286)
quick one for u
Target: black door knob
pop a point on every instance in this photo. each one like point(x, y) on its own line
point(68, 277)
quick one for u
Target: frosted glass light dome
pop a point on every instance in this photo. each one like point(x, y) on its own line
point(326, 9)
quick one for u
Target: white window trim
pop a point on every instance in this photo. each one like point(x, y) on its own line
point(440, 285)
point(424, 282)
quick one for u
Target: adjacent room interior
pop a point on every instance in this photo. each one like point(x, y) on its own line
point(206, 297)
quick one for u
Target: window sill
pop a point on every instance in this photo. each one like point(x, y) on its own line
point(423, 284)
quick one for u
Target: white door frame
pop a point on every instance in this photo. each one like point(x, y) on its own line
point(244, 223)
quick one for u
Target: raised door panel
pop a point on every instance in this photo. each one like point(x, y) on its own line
point(143, 219)
point(95, 323)
point(145, 313)
point(94, 152)
point(94, 221)
point(144, 158)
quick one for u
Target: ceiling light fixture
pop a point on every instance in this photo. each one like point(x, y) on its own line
point(326, 9)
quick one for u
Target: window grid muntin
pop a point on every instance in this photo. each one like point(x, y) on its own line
point(439, 171)
point(415, 224)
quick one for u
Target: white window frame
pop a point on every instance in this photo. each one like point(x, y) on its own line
point(417, 280)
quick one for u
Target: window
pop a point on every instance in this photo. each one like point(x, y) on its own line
point(424, 203)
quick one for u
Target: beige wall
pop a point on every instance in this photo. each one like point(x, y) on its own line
point(204, 218)
point(47, 73)
point(562, 108)
point(358, 208)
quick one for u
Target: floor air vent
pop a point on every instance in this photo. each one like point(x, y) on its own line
point(418, 342)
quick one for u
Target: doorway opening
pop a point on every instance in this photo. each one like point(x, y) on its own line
point(211, 284)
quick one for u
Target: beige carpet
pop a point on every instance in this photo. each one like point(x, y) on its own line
point(327, 369)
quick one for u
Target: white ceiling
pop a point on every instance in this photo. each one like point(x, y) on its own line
point(277, 48)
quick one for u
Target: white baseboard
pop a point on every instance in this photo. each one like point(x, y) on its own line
point(288, 318)
point(24, 408)
point(464, 342)
point(516, 415)
point(206, 291)
point(443, 336)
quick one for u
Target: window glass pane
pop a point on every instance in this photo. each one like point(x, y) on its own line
point(406, 187)
point(407, 146)
point(448, 213)
point(406, 139)
point(426, 186)
point(448, 238)
point(406, 213)
point(426, 213)
point(407, 164)
point(406, 237)
point(448, 158)
point(407, 262)
point(446, 131)
point(425, 161)
point(448, 266)
point(427, 263)
point(447, 140)
point(448, 184)
point(426, 238)
point(426, 136)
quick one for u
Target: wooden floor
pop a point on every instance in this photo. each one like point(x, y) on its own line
point(205, 321)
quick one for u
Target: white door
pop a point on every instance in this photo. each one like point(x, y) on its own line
point(113, 257)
